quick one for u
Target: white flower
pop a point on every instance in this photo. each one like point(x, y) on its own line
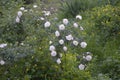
point(57, 33)
point(50, 42)
point(81, 28)
point(83, 44)
point(47, 13)
point(75, 25)
point(88, 57)
point(22, 8)
point(53, 53)
point(3, 45)
point(19, 14)
point(61, 27)
point(65, 21)
point(69, 37)
point(81, 67)
point(83, 57)
point(79, 17)
point(52, 48)
point(65, 48)
point(42, 18)
point(75, 43)
point(61, 41)
point(2, 62)
point(25, 10)
point(47, 24)
point(88, 53)
point(35, 6)
point(21, 44)
point(17, 19)
point(58, 61)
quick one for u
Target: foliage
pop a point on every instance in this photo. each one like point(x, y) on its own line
point(24, 45)
point(102, 28)
point(70, 8)
point(106, 22)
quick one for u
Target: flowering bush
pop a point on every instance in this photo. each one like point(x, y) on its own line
point(36, 44)
point(66, 36)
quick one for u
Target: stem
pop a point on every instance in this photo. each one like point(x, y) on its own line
point(65, 61)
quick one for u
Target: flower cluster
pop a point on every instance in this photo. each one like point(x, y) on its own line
point(3, 45)
point(2, 62)
point(64, 38)
point(19, 14)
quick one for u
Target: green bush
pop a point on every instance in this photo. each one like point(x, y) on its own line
point(102, 27)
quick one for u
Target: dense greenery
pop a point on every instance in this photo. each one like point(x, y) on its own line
point(27, 30)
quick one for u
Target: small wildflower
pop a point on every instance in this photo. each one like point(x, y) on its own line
point(75, 43)
point(57, 33)
point(52, 48)
point(75, 25)
point(69, 37)
point(2, 62)
point(81, 67)
point(17, 19)
point(47, 24)
point(53, 53)
point(22, 8)
point(61, 27)
point(61, 41)
point(83, 44)
point(3, 45)
point(65, 21)
point(19, 14)
point(88, 57)
point(58, 61)
point(65, 48)
point(35, 6)
point(79, 17)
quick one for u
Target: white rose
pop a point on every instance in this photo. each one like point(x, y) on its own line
point(25, 10)
point(47, 24)
point(2, 62)
point(69, 37)
point(53, 53)
point(61, 41)
point(75, 25)
point(22, 8)
point(58, 61)
point(88, 53)
point(65, 21)
point(75, 43)
point(17, 19)
point(81, 28)
point(35, 6)
point(61, 27)
point(79, 17)
point(57, 33)
point(81, 67)
point(21, 44)
point(42, 18)
point(3, 45)
point(47, 13)
point(65, 48)
point(88, 57)
point(83, 44)
point(19, 14)
point(83, 57)
point(50, 42)
point(52, 48)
